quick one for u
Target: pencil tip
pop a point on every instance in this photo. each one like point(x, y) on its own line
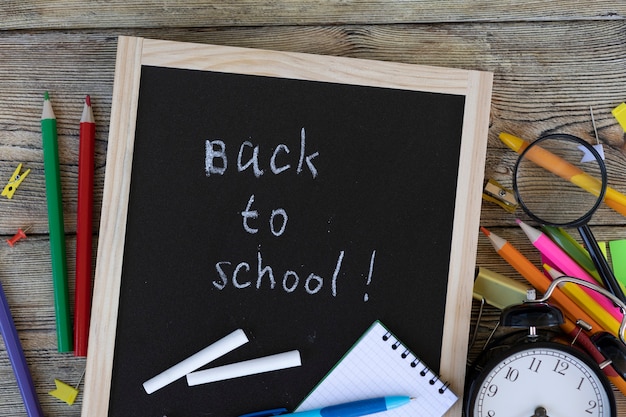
point(485, 231)
point(88, 100)
point(46, 96)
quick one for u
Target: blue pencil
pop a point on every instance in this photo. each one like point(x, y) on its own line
point(17, 358)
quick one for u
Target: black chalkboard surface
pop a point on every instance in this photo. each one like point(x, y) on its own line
point(298, 210)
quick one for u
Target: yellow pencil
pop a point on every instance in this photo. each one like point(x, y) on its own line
point(612, 197)
point(588, 304)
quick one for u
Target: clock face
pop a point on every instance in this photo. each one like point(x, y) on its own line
point(542, 379)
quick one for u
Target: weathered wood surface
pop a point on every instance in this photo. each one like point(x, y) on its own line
point(79, 14)
point(551, 62)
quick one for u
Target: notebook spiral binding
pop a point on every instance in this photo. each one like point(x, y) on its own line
point(406, 353)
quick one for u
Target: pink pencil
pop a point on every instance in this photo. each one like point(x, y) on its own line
point(567, 265)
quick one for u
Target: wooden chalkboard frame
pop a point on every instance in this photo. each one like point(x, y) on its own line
point(133, 53)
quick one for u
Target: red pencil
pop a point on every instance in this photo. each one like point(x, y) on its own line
point(82, 310)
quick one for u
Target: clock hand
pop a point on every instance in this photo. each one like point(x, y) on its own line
point(540, 412)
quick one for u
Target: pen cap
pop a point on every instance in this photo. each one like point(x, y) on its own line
point(266, 413)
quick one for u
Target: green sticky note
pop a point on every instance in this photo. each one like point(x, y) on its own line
point(618, 258)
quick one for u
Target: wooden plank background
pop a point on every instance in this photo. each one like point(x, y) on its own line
point(551, 62)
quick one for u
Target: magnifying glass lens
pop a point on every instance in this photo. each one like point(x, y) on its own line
point(558, 180)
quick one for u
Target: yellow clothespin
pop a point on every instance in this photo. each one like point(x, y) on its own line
point(14, 182)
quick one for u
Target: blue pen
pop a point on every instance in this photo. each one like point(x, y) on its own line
point(352, 409)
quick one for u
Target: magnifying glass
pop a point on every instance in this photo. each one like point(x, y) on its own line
point(560, 180)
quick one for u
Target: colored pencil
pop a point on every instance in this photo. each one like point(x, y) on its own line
point(574, 292)
point(603, 308)
point(538, 280)
point(583, 340)
point(612, 198)
point(82, 302)
point(17, 359)
point(573, 249)
point(56, 226)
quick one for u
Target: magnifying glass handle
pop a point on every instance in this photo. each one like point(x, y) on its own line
point(600, 262)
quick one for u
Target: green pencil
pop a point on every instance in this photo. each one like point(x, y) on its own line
point(55, 224)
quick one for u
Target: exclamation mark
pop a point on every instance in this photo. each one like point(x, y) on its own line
point(369, 275)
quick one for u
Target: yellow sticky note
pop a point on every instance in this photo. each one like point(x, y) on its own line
point(620, 114)
point(602, 246)
point(64, 392)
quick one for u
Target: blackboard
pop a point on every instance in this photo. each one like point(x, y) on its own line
point(258, 190)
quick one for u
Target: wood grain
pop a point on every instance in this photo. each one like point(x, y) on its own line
point(536, 91)
point(551, 60)
point(77, 14)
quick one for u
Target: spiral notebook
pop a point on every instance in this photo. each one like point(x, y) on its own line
point(380, 365)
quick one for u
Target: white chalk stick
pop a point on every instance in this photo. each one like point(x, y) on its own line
point(197, 360)
point(253, 366)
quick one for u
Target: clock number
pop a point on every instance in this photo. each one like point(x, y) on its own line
point(512, 374)
point(491, 413)
point(581, 384)
point(560, 367)
point(534, 365)
point(492, 390)
point(592, 405)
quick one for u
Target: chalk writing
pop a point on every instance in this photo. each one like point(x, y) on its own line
point(216, 158)
point(265, 276)
point(215, 149)
point(241, 275)
point(369, 275)
point(279, 213)
point(265, 273)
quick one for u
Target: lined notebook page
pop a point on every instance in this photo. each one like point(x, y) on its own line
point(380, 365)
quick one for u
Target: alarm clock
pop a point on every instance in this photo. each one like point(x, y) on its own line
point(538, 372)
point(540, 377)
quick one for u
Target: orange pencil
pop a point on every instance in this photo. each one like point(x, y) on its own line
point(538, 280)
